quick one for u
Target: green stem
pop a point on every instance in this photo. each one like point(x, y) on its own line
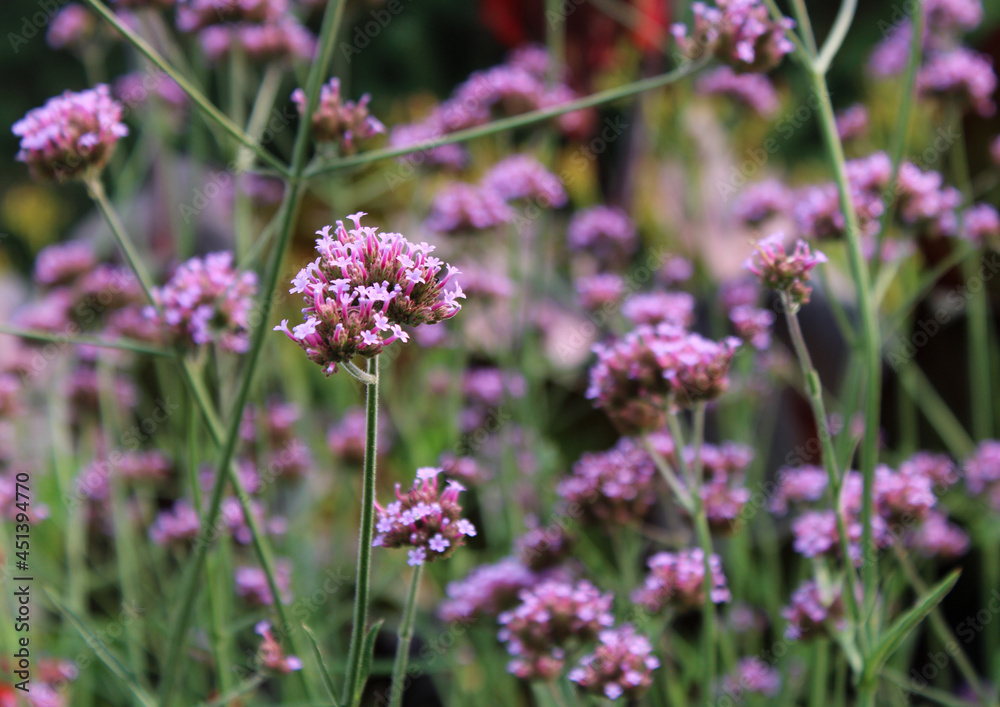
point(704, 540)
point(870, 341)
point(837, 34)
point(805, 26)
point(513, 122)
point(936, 410)
point(122, 344)
point(398, 685)
point(196, 96)
point(814, 392)
point(226, 468)
point(354, 683)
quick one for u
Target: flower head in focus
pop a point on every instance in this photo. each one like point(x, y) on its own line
point(425, 519)
point(71, 134)
point(787, 273)
point(344, 122)
point(364, 287)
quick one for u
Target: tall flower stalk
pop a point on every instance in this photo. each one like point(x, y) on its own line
point(354, 681)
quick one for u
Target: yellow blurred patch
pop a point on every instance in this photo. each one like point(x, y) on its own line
point(32, 212)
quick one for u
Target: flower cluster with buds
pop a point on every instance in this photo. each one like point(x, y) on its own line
point(71, 134)
point(638, 376)
point(615, 486)
point(425, 519)
point(207, 300)
point(336, 120)
point(677, 580)
point(622, 665)
point(549, 616)
point(361, 291)
point(740, 33)
point(787, 273)
point(272, 655)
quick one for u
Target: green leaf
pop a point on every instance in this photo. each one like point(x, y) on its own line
point(323, 671)
point(904, 626)
point(367, 655)
point(99, 646)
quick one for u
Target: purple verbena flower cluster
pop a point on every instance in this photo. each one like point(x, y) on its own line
point(677, 580)
point(71, 135)
point(363, 289)
point(550, 616)
point(782, 271)
point(207, 301)
point(339, 121)
point(425, 519)
point(740, 33)
point(622, 665)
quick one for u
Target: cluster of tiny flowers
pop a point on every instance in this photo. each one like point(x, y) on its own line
point(263, 30)
point(486, 591)
point(207, 300)
point(788, 273)
point(615, 486)
point(961, 75)
point(982, 472)
point(638, 376)
point(980, 223)
point(271, 654)
point(335, 120)
point(252, 586)
point(852, 122)
point(71, 28)
point(753, 325)
point(543, 547)
point(284, 38)
point(677, 580)
point(346, 438)
point(425, 519)
point(519, 85)
point(601, 291)
point(811, 608)
point(466, 207)
point(676, 308)
point(763, 200)
point(804, 484)
point(755, 91)
point(175, 525)
point(62, 263)
point(924, 198)
point(938, 537)
point(945, 21)
point(71, 134)
point(621, 665)
point(365, 286)
point(135, 88)
point(604, 231)
point(817, 208)
point(551, 615)
point(740, 33)
point(524, 177)
point(752, 676)
point(193, 15)
point(466, 469)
